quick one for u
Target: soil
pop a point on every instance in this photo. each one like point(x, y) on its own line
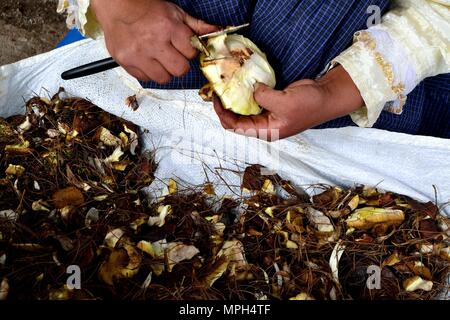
point(28, 27)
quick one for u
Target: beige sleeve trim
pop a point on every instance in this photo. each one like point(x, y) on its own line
point(80, 16)
point(389, 60)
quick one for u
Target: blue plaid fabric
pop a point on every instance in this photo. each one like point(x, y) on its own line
point(300, 37)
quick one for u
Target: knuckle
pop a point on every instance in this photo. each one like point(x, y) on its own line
point(135, 48)
point(181, 69)
point(120, 60)
point(164, 23)
point(225, 125)
point(128, 54)
point(121, 57)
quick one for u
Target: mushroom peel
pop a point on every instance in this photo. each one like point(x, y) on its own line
point(233, 65)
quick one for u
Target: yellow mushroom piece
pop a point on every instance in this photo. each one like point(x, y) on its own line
point(367, 218)
point(302, 296)
point(233, 65)
point(417, 283)
point(15, 170)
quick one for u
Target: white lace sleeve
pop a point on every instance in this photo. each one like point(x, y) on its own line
point(389, 60)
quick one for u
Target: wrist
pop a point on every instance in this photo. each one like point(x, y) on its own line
point(342, 97)
point(125, 11)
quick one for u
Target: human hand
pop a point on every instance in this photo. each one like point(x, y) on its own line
point(151, 39)
point(302, 105)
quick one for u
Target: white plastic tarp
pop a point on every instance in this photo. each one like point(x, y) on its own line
point(191, 143)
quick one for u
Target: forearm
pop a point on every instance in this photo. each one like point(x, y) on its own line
point(126, 11)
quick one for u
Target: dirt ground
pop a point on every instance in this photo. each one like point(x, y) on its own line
point(28, 27)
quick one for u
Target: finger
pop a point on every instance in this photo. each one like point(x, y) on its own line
point(268, 98)
point(199, 26)
point(253, 126)
point(301, 83)
point(173, 61)
point(155, 71)
point(181, 40)
point(137, 73)
point(226, 117)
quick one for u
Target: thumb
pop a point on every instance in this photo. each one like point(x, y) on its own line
point(267, 98)
point(199, 26)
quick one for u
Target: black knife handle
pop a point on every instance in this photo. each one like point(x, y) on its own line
point(90, 69)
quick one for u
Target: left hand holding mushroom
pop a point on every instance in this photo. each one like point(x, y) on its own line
point(300, 106)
